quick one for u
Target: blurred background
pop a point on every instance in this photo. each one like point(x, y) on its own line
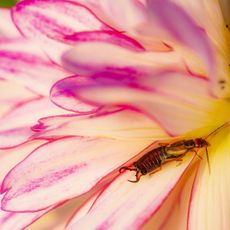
point(7, 3)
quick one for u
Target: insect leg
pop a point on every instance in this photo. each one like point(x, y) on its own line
point(163, 144)
point(177, 158)
point(207, 156)
point(193, 150)
point(138, 176)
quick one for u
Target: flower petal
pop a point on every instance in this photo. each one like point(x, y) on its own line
point(13, 94)
point(83, 210)
point(12, 220)
point(187, 31)
point(49, 21)
point(210, 203)
point(10, 157)
point(115, 58)
point(121, 205)
point(14, 137)
point(112, 37)
point(75, 161)
point(7, 28)
point(128, 15)
point(123, 125)
point(22, 61)
point(212, 15)
point(225, 5)
point(16, 124)
point(167, 97)
point(174, 211)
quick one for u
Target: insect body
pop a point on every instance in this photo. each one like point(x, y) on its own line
point(153, 160)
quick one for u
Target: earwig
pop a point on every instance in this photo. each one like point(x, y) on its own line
point(150, 162)
point(155, 158)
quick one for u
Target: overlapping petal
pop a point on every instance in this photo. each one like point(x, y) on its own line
point(83, 210)
point(209, 207)
point(49, 22)
point(112, 37)
point(138, 201)
point(211, 16)
point(168, 14)
point(10, 100)
point(11, 220)
point(10, 157)
point(16, 124)
point(23, 62)
point(7, 28)
point(117, 59)
point(124, 125)
point(77, 165)
point(120, 76)
point(177, 107)
point(126, 15)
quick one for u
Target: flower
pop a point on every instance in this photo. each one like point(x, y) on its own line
point(107, 81)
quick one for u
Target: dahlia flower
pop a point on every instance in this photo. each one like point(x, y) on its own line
point(88, 86)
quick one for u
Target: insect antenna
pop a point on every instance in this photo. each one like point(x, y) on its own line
point(208, 161)
point(215, 130)
point(206, 149)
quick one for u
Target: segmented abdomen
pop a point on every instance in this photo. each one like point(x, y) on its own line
point(151, 161)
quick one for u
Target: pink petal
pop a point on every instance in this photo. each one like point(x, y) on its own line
point(183, 28)
point(106, 36)
point(7, 28)
point(123, 125)
point(13, 94)
point(127, 15)
point(9, 158)
point(174, 211)
point(109, 57)
point(84, 209)
point(16, 124)
point(12, 220)
point(14, 137)
point(50, 21)
point(22, 61)
point(168, 97)
point(67, 168)
point(71, 103)
point(124, 205)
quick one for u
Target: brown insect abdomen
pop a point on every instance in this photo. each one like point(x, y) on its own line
point(150, 161)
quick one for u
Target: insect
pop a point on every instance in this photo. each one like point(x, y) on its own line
point(152, 161)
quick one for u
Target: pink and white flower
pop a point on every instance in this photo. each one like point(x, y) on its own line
point(93, 85)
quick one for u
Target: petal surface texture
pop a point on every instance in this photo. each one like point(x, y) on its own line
point(212, 16)
point(168, 97)
point(78, 163)
point(16, 123)
point(11, 220)
point(183, 28)
point(7, 28)
point(118, 59)
point(124, 125)
point(112, 37)
point(127, 15)
point(49, 21)
point(124, 205)
point(210, 204)
point(22, 61)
